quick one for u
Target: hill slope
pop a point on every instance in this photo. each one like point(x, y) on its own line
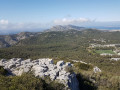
point(71, 45)
point(68, 44)
point(9, 40)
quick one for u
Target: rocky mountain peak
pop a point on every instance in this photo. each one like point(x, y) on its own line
point(65, 28)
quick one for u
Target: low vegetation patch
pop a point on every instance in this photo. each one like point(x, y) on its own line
point(104, 51)
point(27, 82)
point(83, 66)
point(3, 71)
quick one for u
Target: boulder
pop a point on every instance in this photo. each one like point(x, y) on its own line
point(2, 61)
point(68, 64)
point(20, 72)
point(27, 69)
point(11, 66)
point(60, 63)
point(96, 69)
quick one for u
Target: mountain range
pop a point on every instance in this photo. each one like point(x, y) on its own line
point(10, 40)
point(67, 44)
point(65, 28)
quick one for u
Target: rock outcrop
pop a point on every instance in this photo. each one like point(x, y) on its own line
point(96, 69)
point(41, 68)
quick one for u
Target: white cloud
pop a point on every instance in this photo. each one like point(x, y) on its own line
point(8, 27)
point(3, 21)
point(65, 21)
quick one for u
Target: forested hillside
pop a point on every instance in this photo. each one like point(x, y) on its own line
point(70, 45)
point(9, 40)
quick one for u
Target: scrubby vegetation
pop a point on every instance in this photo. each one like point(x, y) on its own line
point(73, 45)
point(3, 71)
point(95, 81)
point(105, 51)
point(83, 66)
point(28, 82)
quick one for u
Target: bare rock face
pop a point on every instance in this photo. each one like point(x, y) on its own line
point(41, 68)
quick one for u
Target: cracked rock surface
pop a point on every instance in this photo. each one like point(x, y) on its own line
point(41, 68)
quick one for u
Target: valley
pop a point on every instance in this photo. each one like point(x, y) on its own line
point(59, 44)
point(76, 45)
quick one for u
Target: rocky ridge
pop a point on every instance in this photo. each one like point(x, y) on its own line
point(65, 28)
point(41, 68)
point(9, 40)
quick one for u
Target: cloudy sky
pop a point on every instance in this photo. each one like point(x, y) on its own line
point(33, 15)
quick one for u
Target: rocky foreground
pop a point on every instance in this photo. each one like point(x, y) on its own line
point(41, 68)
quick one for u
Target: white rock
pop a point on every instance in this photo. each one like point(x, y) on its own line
point(60, 63)
point(11, 66)
point(2, 61)
point(20, 72)
point(68, 64)
point(41, 68)
point(27, 69)
point(96, 69)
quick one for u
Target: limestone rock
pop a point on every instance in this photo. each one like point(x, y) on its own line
point(96, 69)
point(41, 68)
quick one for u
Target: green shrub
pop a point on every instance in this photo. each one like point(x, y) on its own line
point(82, 66)
point(27, 82)
point(2, 71)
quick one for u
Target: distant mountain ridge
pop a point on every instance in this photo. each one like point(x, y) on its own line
point(9, 40)
point(65, 28)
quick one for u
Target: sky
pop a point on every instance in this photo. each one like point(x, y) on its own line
point(40, 14)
